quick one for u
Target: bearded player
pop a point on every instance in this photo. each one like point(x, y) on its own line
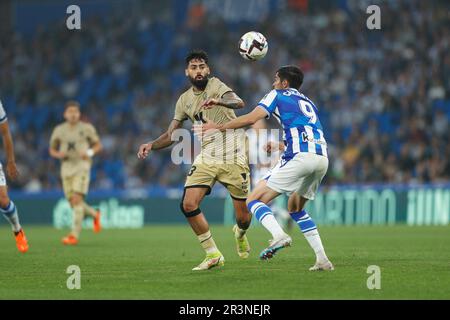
point(7, 206)
point(75, 143)
point(196, 104)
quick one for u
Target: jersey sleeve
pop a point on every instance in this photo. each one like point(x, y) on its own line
point(180, 115)
point(3, 117)
point(92, 134)
point(222, 88)
point(54, 138)
point(268, 103)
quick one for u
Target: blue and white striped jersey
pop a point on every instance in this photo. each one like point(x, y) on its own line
point(2, 113)
point(297, 114)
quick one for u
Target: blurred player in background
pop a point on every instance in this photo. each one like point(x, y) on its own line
point(209, 98)
point(301, 168)
point(75, 143)
point(7, 206)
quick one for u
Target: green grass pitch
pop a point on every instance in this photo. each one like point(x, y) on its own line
point(155, 263)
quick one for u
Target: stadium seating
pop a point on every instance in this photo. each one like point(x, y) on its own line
point(128, 84)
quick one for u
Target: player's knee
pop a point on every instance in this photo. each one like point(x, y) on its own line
point(189, 205)
point(75, 200)
point(190, 208)
point(4, 201)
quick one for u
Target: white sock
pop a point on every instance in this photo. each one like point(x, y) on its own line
point(309, 229)
point(271, 224)
point(315, 242)
point(10, 213)
point(207, 242)
point(264, 215)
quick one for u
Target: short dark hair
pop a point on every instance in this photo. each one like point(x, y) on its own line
point(197, 55)
point(291, 74)
point(72, 103)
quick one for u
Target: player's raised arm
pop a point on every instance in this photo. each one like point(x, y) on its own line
point(229, 100)
point(11, 168)
point(240, 122)
point(163, 141)
point(263, 110)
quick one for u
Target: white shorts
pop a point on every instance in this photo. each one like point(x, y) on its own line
point(2, 177)
point(259, 174)
point(302, 174)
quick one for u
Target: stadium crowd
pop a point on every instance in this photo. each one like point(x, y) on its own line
point(383, 95)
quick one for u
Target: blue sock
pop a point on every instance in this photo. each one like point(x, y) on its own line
point(304, 221)
point(10, 213)
point(259, 209)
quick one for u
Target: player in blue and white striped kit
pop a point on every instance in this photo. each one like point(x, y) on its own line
point(7, 206)
point(300, 169)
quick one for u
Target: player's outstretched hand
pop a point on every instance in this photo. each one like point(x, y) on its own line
point(270, 147)
point(144, 150)
point(210, 103)
point(11, 170)
point(205, 129)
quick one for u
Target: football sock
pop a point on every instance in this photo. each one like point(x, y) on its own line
point(265, 216)
point(78, 215)
point(89, 210)
point(309, 230)
point(240, 232)
point(207, 242)
point(10, 213)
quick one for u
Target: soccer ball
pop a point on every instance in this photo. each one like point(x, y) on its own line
point(253, 46)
